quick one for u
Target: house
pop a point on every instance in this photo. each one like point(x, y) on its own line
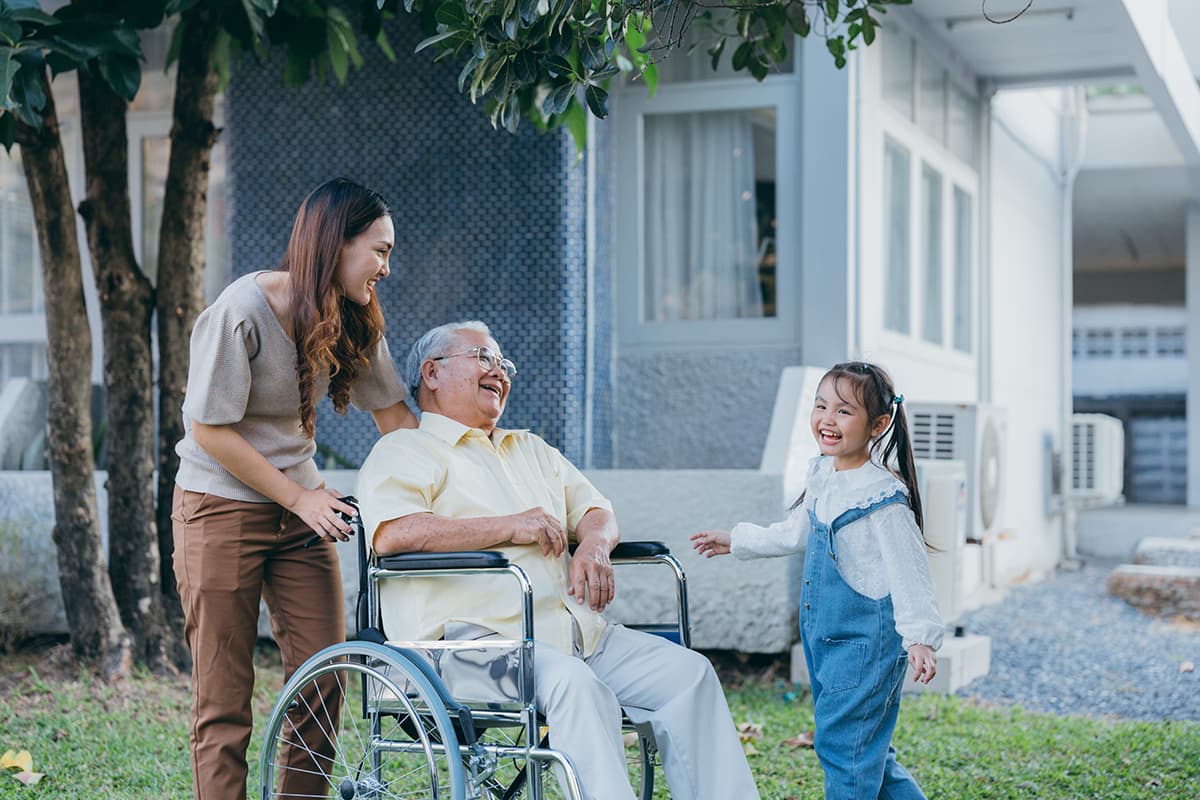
point(670, 296)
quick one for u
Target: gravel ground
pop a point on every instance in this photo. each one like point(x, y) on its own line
point(1065, 646)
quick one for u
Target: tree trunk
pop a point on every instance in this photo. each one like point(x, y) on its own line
point(97, 635)
point(181, 265)
point(126, 303)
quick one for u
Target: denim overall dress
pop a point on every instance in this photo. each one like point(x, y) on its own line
point(856, 663)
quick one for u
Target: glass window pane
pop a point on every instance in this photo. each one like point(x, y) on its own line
point(896, 193)
point(962, 124)
point(964, 271)
point(709, 241)
point(898, 71)
point(931, 247)
point(20, 270)
point(931, 110)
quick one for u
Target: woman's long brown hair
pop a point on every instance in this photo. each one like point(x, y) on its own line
point(333, 334)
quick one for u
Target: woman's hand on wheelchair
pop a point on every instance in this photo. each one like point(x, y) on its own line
point(592, 575)
point(319, 508)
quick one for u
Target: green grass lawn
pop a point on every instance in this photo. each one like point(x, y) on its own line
point(129, 741)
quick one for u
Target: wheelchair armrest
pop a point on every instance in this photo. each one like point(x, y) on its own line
point(635, 549)
point(467, 559)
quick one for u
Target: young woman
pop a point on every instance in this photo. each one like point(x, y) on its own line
point(248, 496)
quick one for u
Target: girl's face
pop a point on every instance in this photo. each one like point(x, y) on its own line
point(364, 260)
point(841, 425)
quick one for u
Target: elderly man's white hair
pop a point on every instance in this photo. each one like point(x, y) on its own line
point(435, 342)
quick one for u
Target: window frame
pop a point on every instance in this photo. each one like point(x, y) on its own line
point(631, 105)
point(925, 152)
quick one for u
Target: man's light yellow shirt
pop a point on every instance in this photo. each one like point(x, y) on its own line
point(449, 469)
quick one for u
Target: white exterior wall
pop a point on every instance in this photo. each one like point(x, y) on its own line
point(1028, 375)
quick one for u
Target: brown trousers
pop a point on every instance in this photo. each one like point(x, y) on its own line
point(228, 554)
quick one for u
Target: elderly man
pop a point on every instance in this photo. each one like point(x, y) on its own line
point(459, 482)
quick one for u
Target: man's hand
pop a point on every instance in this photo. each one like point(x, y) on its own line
point(592, 575)
point(538, 526)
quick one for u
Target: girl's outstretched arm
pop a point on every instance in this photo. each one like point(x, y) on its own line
point(711, 543)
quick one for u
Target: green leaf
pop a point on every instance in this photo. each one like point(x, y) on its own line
point(381, 41)
point(122, 74)
point(8, 130)
point(741, 56)
point(558, 99)
point(432, 40)
point(10, 32)
point(467, 69)
point(715, 52)
point(597, 100)
point(650, 76)
point(831, 10)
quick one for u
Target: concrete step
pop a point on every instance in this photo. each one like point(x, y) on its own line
point(1160, 590)
point(1165, 552)
point(961, 660)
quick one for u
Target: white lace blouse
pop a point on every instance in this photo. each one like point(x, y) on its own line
point(878, 555)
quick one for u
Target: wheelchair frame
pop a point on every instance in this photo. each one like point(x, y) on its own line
point(401, 690)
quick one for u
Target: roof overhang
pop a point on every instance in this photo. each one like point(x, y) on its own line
point(1076, 42)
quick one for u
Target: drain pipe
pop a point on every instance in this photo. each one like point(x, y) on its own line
point(1073, 141)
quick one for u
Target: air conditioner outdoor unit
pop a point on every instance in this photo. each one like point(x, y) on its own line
point(1097, 459)
point(943, 487)
point(974, 434)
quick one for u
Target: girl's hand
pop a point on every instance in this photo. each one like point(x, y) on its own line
point(319, 509)
point(711, 543)
point(923, 661)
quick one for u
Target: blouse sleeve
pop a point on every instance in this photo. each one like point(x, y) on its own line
point(218, 388)
point(782, 538)
point(378, 386)
point(909, 580)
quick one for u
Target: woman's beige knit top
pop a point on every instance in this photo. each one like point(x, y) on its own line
point(243, 374)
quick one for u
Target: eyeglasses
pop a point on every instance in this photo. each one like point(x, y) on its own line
point(488, 360)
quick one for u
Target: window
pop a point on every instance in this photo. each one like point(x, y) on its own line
point(1169, 342)
point(930, 181)
point(931, 302)
point(701, 254)
point(964, 268)
point(895, 189)
point(20, 269)
point(1135, 342)
point(1098, 343)
point(710, 211)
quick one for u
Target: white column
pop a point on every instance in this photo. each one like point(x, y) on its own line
point(1192, 280)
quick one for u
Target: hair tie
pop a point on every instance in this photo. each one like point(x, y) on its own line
point(898, 399)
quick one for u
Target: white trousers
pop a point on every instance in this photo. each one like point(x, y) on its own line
point(671, 687)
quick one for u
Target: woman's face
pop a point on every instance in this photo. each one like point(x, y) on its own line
point(364, 260)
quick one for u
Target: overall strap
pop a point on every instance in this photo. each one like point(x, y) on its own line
point(855, 514)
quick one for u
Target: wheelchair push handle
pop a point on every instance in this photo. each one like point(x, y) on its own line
point(355, 522)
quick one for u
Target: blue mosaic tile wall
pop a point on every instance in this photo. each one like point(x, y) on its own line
point(488, 225)
point(602, 142)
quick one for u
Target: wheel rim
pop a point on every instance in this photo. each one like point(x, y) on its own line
point(359, 729)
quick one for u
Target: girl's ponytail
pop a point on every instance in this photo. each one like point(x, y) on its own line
point(899, 444)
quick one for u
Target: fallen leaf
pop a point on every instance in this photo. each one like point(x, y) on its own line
point(1187, 666)
point(29, 778)
point(14, 760)
point(59, 735)
point(749, 730)
point(801, 740)
point(630, 739)
point(749, 749)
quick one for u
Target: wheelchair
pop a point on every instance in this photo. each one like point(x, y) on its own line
point(373, 719)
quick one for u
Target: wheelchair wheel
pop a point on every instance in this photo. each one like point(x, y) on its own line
point(359, 721)
point(640, 757)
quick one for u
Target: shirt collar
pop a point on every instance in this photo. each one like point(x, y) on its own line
point(452, 432)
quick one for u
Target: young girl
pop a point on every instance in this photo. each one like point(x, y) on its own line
point(867, 597)
point(248, 496)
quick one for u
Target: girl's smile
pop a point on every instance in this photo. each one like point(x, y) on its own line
point(842, 426)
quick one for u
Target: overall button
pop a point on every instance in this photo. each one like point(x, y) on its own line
point(806, 605)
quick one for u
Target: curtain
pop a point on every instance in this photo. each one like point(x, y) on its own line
point(701, 233)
